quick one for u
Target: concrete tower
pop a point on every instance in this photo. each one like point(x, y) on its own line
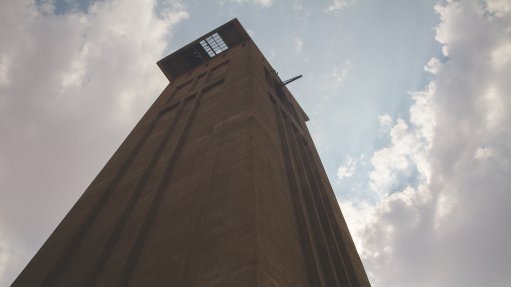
point(219, 184)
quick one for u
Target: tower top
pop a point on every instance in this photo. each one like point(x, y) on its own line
point(204, 48)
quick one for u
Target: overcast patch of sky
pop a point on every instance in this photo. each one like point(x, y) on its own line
point(361, 62)
point(356, 62)
point(457, 138)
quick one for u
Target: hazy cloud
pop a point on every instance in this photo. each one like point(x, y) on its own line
point(433, 66)
point(341, 73)
point(4, 257)
point(385, 122)
point(263, 3)
point(298, 44)
point(484, 152)
point(297, 5)
point(71, 88)
point(338, 5)
point(349, 167)
point(450, 228)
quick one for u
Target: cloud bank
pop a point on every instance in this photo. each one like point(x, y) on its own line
point(72, 85)
point(449, 225)
point(338, 5)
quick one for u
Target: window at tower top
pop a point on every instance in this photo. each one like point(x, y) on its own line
point(213, 45)
point(203, 49)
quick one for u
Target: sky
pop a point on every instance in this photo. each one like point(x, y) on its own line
point(409, 105)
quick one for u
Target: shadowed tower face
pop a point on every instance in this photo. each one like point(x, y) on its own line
point(219, 184)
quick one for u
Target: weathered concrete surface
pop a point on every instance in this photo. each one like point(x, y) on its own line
point(219, 184)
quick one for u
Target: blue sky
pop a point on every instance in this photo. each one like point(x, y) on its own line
point(408, 100)
point(358, 63)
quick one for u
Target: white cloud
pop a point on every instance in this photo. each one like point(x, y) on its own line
point(297, 5)
point(433, 66)
point(298, 44)
point(501, 57)
point(345, 171)
point(338, 5)
point(484, 152)
point(450, 228)
point(348, 168)
point(357, 215)
point(422, 114)
point(272, 54)
point(340, 74)
point(500, 7)
point(385, 122)
point(404, 157)
point(263, 3)
point(71, 88)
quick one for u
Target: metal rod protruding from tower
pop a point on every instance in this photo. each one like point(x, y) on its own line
point(291, 80)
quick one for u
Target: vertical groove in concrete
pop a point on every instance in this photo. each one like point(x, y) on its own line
point(341, 243)
point(331, 246)
point(174, 205)
point(307, 247)
point(338, 265)
point(75, 241)
point(314, 215)
point(140, 187)
point(189, 277)
point(149, 217)
point(322, 233)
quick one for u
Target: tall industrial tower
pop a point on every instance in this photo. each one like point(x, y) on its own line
point(219, 184)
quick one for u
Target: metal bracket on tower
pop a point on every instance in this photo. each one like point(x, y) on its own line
point(291, 80)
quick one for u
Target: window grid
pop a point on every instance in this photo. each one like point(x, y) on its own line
point(213, 45)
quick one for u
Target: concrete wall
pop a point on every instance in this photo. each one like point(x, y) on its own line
point(218, 185)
